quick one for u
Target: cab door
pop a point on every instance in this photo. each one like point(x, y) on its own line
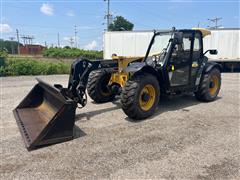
point(197, 58)
point(180, 62)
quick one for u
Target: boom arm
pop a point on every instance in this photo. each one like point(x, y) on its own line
point(80, 70)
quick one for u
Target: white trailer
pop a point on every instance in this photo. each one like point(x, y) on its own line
point(135, 43)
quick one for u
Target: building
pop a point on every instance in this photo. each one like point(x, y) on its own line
point(31, 49)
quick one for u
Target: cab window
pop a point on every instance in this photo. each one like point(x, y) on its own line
point(181, 52)
point(197, 47)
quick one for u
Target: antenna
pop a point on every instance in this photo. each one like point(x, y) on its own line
point(198, 25)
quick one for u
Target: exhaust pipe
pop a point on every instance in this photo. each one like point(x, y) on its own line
point(45, 116)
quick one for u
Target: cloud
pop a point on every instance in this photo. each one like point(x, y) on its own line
point(70, 38)
point(5, 28)
point(47, 9)
point(66, 38)
point(70, 13)
point(91, 46)
point(71, 41)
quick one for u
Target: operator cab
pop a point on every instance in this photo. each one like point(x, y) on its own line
point(184, 60)
point(178, 56)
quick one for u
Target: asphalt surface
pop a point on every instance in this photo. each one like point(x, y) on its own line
point(185, 139)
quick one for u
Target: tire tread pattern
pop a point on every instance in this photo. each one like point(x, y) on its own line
point(129, 99)
point(203, 91)
point(93, 89)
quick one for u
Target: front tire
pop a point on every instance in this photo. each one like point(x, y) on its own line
point(210, 86)
point(97, 86)
point(140, 96)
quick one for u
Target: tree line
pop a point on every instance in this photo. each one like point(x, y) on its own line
point(11, 47)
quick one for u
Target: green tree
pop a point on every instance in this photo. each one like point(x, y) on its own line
point(121, 24)
point(67, 47)
point(9, 46)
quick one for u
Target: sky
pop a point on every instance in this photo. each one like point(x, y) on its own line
point(44, 20)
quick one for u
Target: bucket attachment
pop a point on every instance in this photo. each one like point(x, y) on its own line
point(45, 116)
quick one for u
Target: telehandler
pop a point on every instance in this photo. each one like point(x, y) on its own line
point(174, 64)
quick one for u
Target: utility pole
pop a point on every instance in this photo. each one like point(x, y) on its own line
point(71, 42)
point(27, 39)
point(12, 38)
point(18, 41)
point(108, 16)
point(58, 40)
point(215, 21)
point(75, 36)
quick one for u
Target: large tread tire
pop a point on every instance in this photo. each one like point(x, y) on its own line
point(131, 93)
point(203, 93)
point(97, 86)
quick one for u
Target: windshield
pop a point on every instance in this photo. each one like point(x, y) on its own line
point(159, 46)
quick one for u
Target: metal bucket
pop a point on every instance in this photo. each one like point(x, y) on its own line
point(45, 116)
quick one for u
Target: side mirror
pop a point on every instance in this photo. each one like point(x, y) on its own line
point(178, 37)
point(212, 52)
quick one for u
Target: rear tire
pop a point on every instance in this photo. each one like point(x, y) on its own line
point(97, 86)
point(209, 86)
point(140, 96)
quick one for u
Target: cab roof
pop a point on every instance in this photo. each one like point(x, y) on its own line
point(204, 32)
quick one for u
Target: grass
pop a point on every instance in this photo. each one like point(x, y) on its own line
point(30, 66)
point(72, 53)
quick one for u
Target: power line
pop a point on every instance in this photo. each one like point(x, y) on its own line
point(215, 21)
point(27, 39)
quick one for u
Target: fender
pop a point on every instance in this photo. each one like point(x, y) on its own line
point(207, 67)
point(136, 67)
point(210, 65)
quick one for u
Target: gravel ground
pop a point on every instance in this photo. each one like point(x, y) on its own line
point(185, 139)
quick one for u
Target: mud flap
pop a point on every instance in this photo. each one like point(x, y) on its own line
point(45, 116)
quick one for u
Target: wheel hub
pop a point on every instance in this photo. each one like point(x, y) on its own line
point(213, 85)
point(145, 97)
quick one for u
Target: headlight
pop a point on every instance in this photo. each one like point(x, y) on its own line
point(149, 61)
point(154, 58)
